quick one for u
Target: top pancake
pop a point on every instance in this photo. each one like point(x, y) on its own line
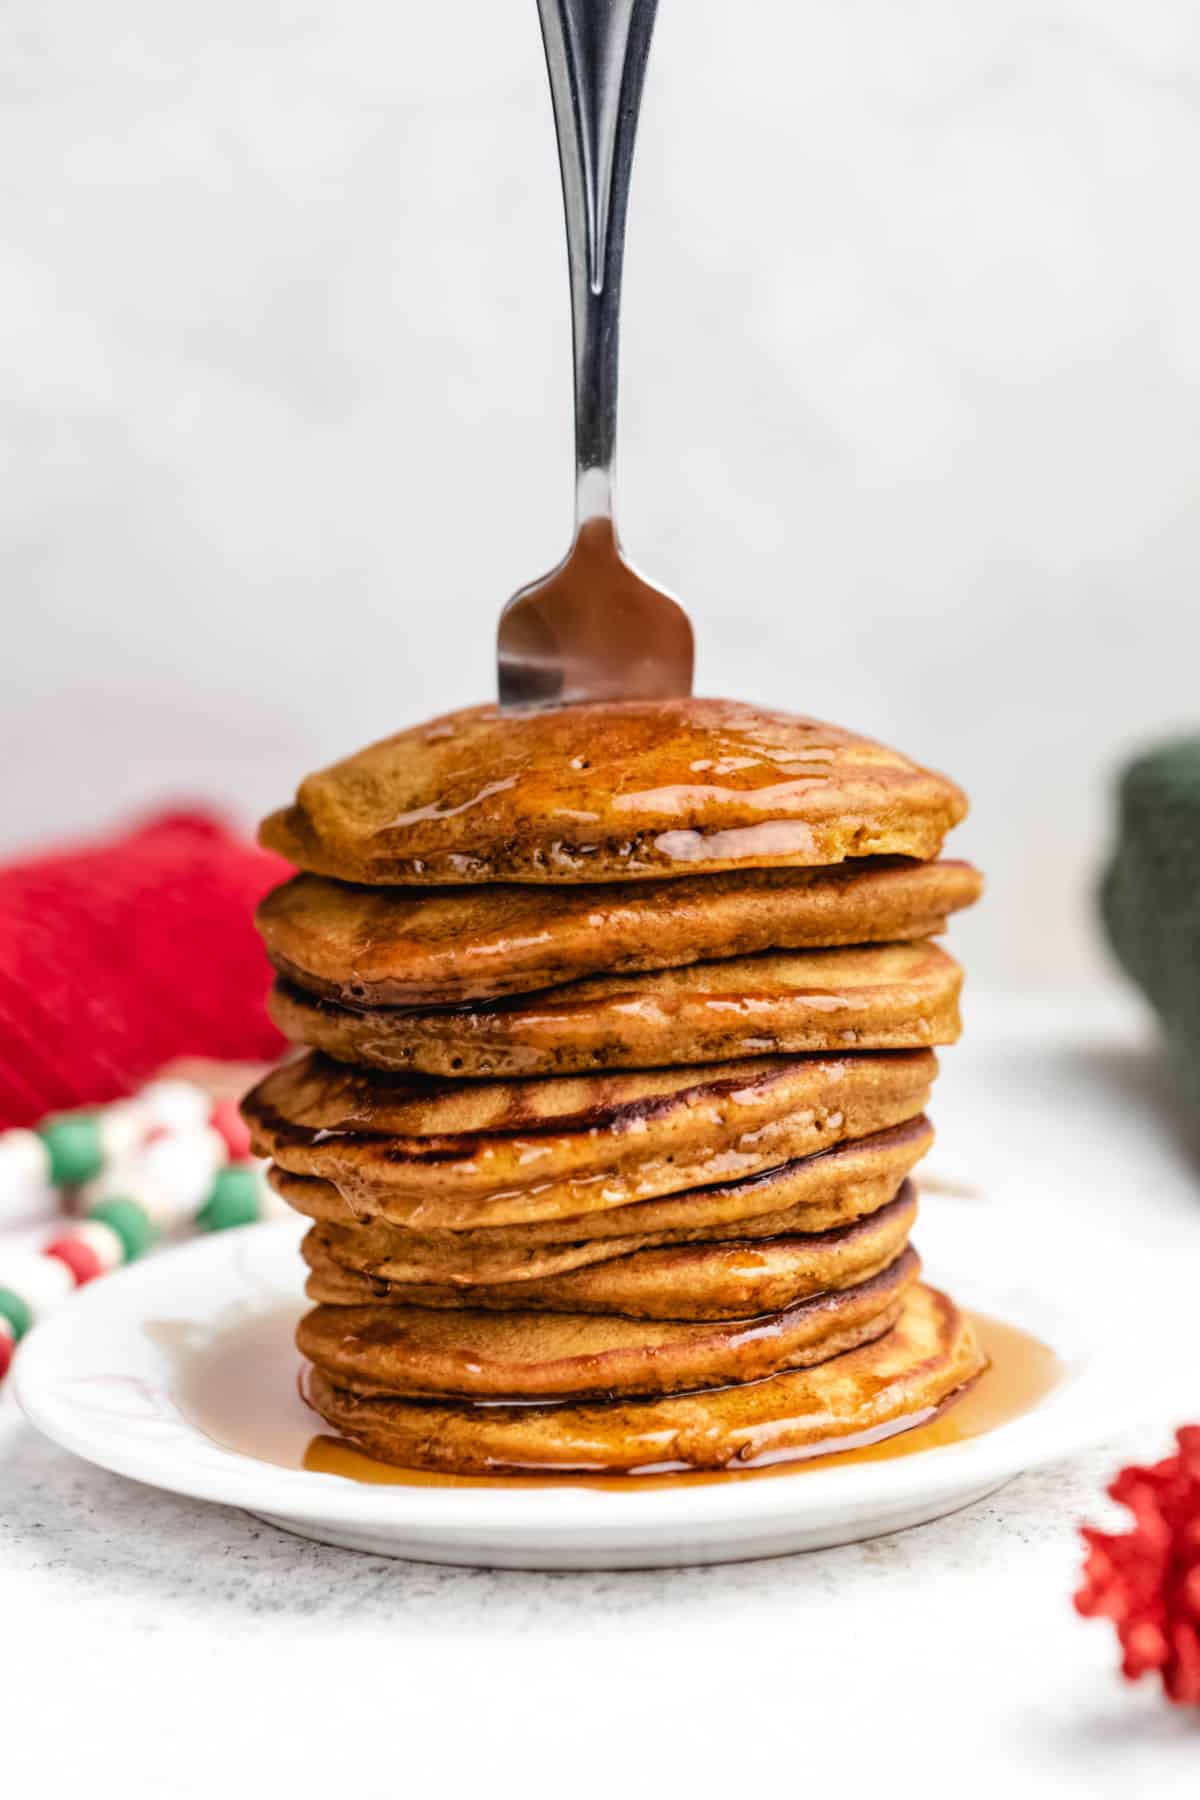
point(412, 947)
point(609, 791)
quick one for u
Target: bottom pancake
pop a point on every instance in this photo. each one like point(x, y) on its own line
point(924, 1359)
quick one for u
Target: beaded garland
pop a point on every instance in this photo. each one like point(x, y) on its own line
point(167, 1157)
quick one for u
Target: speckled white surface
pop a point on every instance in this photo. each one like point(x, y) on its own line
point(194, 1644)
point(178, 1648)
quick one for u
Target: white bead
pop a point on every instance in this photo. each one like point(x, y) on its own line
point(174, 1105)
point(24, 1161)
point(128, 1181)
point(170, 1176)
point(102, 1240)
point(42, 1282)
point(122, 1128)
point(25, 1191)
point(177, 1173)
point(166, 1207)
point(119, 1181)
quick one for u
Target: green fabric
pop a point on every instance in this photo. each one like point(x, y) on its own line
point(1150, 899)
point(131, 1223)
point(76, 1153)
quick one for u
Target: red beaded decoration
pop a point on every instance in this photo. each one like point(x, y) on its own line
point(1147, 1580)
point(79, 1257)
point(167, 1156)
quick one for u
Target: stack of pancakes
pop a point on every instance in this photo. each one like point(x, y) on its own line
point(619, 1022)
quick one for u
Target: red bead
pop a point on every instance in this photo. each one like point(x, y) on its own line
point(6, 1353)
point(226, 1119)
point(79, 1257)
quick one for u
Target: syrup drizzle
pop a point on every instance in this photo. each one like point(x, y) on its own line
point(242, 1391)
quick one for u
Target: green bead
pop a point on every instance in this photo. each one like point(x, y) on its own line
point(232, 1200)
point(131, 1223)
point(15, 1311)
point(76, 1152)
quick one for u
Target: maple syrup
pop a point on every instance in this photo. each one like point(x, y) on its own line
point(242, 1390)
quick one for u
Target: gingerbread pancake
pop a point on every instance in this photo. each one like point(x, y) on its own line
point(815, 1194)
point(419, 947)
point(881, 997)
point(607, 1141)
point(685, 1281)
point(894, 1381)
point(470, 1353)
point(610, 791)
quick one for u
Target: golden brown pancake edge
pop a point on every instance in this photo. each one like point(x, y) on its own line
point(928, 1355)
point(420, 1352)
point(707, 1133)
point(700, 1280)
point(797, 1002)
point(610, 791)
point(377, 946)
point(815, 1193)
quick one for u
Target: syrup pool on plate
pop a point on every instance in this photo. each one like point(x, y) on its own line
point(243, 1391)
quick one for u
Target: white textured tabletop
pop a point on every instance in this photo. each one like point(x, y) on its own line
point(153, 1645)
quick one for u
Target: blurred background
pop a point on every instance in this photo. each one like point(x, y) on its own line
point(910, 403)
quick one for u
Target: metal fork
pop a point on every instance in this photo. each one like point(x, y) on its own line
point(593, 629)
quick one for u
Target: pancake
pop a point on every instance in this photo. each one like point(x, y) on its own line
point(415, 947)
point(415, 1351)
point(331, 1097)
point(881, 997)
point(897, 1379)
point(816, 1193)
point(627, 1138)
point(683, 1281)
point(609, 791)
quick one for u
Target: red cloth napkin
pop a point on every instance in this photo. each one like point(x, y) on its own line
point(119, 954)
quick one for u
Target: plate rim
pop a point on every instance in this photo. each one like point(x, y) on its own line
point(1070, 1418)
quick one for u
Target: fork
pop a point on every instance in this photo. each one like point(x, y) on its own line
point(593, 628)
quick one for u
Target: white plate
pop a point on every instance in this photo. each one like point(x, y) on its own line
point(103, 1378)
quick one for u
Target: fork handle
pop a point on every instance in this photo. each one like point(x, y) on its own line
point(596, 53)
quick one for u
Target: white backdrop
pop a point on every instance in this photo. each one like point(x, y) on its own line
point(911, 390)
